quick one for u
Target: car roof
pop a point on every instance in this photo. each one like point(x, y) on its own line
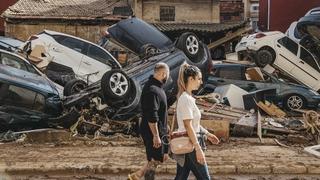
point(63, 34)
point(10, 42)
point(25, 79)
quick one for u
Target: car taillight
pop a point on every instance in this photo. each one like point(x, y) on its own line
point(260, 35)
point(33, 38)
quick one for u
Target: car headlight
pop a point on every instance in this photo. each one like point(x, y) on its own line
point(313, 92)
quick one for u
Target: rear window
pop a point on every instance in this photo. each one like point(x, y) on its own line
point(289, 44)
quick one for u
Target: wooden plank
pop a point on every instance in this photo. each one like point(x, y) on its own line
point(228, 37)
point(271, 109)
point(220, 128)
point(259, 128)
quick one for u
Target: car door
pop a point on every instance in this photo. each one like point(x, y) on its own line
point(287, 51)
point(25, 107)
point(310, 75)
point(68, 52)
point(95, 64)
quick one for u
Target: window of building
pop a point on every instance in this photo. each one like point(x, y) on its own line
point(255, 8)
point(167, 13)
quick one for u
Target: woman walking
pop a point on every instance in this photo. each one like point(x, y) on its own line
point(188, 118)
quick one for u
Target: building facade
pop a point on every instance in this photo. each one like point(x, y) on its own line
point(3, 6)
point(251, 12)
point(81, 18)
point(191, 11)
point(277, 15)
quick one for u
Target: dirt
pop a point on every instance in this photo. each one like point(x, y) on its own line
point(114, 157)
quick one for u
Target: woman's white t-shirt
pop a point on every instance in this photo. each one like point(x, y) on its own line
point(187, 109)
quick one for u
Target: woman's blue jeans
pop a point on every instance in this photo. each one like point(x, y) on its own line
point(200, 171)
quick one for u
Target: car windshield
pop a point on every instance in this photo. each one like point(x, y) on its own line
point(123, 55)
point(314, 30)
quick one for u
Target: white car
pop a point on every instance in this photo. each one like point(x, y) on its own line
point(73, 57)
point(278, 50)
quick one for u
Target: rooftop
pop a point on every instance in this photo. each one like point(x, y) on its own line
point(68, 9)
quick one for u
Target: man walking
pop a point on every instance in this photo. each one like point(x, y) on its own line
point(153, 126)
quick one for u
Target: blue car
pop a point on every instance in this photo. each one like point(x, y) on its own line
point(9, 44)
point(29, 101)
point(289, 95)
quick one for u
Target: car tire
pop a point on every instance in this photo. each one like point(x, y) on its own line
point(115, 85)
point(189, 43)
point(74, 86)
point(294, 102)
point(264, 57)
point(148, 50)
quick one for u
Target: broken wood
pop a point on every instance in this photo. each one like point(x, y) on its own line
point(271, 109)
point(220, 128)
point(259, 128)
point(229, 37)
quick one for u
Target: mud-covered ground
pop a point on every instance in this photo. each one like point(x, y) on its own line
point(114, 157)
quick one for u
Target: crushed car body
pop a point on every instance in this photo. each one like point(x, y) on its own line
point(150, 47)
point(29, 101)
point(289, 95)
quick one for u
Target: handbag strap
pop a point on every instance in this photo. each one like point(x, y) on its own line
point(172, 122)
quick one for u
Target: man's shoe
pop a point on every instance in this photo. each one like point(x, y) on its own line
point(149, 175)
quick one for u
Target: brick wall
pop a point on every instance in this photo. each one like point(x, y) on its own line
point(23, 31)
point(231, 10)
point(185, 11)
point(4, 4)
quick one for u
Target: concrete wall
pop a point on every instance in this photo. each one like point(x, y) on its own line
point(23, 31)
point(185, 11)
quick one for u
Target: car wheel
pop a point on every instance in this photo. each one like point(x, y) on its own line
point(190, 45)
point(264, 57)
point(74, 86)
point(115, 85)
point(294, 101)
point(148, 50)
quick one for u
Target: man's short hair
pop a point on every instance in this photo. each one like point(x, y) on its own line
point(159, 66)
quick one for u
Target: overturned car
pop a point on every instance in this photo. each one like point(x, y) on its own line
point(121, 89)
point(30, 101)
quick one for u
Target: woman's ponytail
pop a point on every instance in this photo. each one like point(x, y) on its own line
point(181, 80)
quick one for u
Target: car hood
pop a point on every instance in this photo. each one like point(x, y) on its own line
point(133, 33)
point(310, 23)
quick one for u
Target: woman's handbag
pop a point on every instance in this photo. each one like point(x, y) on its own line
point(180, 142)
